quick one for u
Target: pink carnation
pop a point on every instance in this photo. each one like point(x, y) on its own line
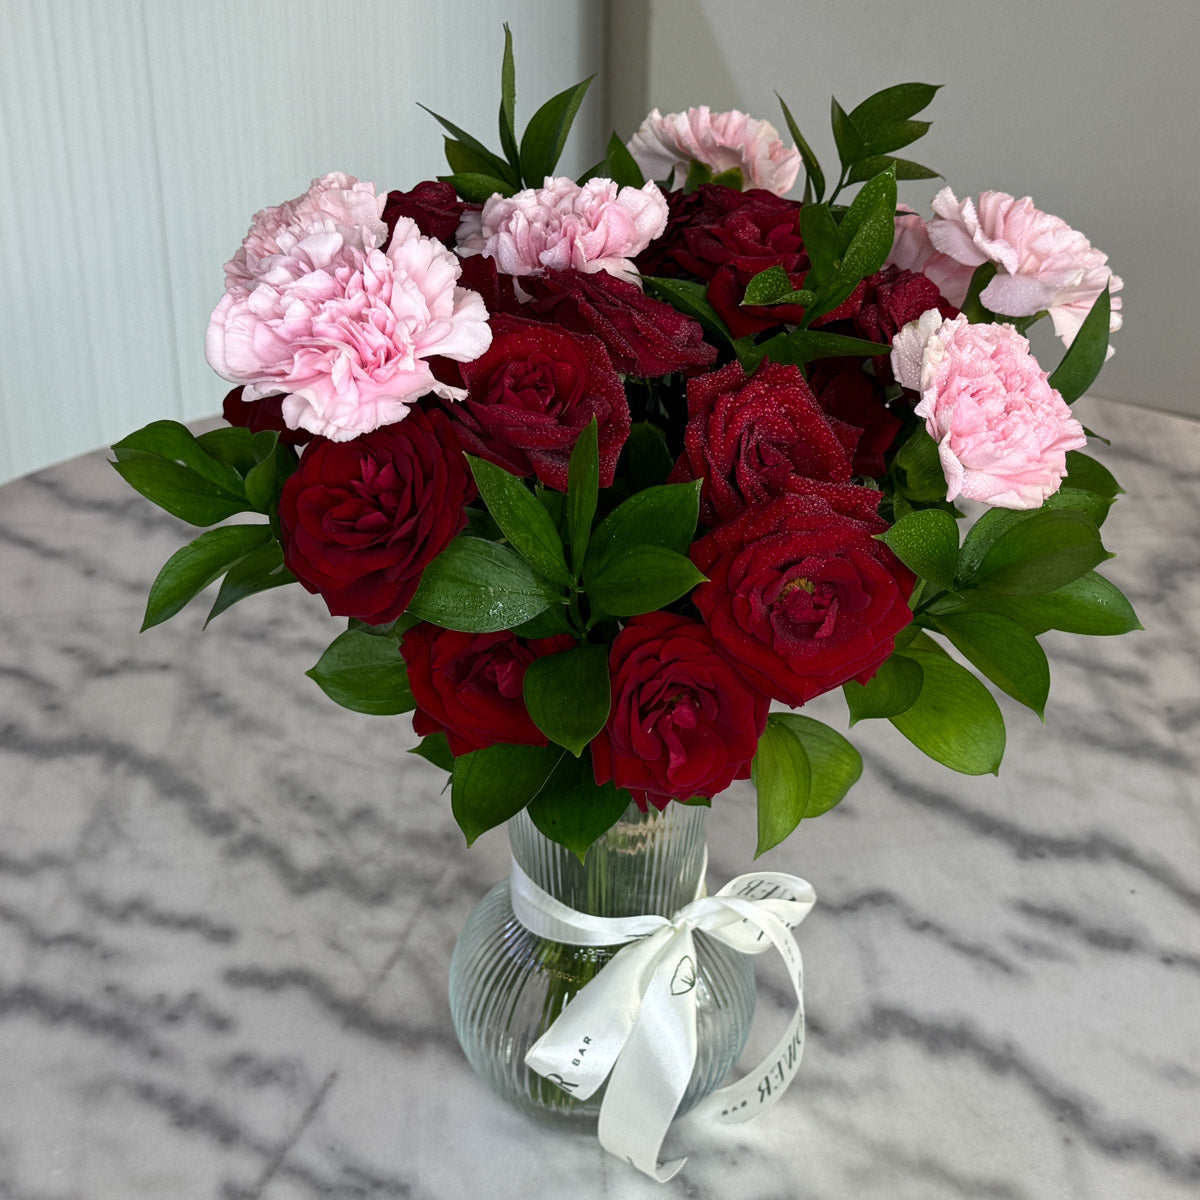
point(346, 332)
point(336, 205)
point(1002, 431)
point(913, 251)
point(564, 226)
point(1044, 263)
point(721, 141)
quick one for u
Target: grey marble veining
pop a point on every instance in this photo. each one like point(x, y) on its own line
point(227, 909)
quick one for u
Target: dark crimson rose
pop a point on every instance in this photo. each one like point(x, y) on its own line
point(260, 415)
point(726, 239)
point(845, 391)
point(434, 206)
point(748, 439)
point(360, 520)
point(533, 392)
point(683, 722)
point(643, 336)
point(469, 685)
point(801, 597)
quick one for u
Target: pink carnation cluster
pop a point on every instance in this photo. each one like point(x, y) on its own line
point(315, 311)
point(1043, 264)
point(565, 226)
point(1002, 431)
point(723, 141)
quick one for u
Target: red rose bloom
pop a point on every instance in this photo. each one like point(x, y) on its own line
point(801, 597)
point(470, 685)
point(434, 206)
point(683, 721)
point(533, 392)
point(643, 336)
point(845, 391)
point(360, 520)
point(748, 439)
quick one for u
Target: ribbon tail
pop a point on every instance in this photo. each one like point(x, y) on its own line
point(654, 1068)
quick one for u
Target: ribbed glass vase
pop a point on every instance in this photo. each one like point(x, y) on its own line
point(507, 985)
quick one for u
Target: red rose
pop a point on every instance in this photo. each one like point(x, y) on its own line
point(470, 685)
point(801, 597)
point(434, 206)
point(748, 439)
point(533, 392)
point(845, 391)
point(726, 239)
point(643, 336)
point(260, 415)
point(360, 520)
point(683, 721)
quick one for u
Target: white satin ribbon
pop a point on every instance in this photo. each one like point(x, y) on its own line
point(634, 1023)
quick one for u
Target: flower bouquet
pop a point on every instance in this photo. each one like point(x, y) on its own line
point(599, 470)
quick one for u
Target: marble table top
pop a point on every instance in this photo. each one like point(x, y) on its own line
point(227, 909)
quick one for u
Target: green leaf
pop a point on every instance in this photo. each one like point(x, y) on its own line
point(546, 134)
point(926, 541)
point(464, 160)
point(480, 587)
point(568, 695)
point(234, 446)
point(548, 624)
point(1083, 361)
point(877, 196)
point(893, 688)
point(259, 571)
point(891, 106)
point(698, 173)
point(954, 720)
point(904, 168)
point(849, 142)
point(658, 516)
point(1004, 651)
point(917, 469)
point(497, 166)
point(364, 673)
point(1088, 475)
point(895, 137)
point(191, 569)
point(476, 188)
point(490, 786)
point(691, 299)
point(773, 286)
point(1089, 503)
point(522, 520)
point(972, 306)
point(640, 580)
point(835, 764)
point(802, 346)
point(184, 493)
point(983, 534)
point(508, 101)
point(175, 443)
point(812, 169)
point(435, 748)
point(648, 457)
point(1042, 553)
point(394, 630)
point(822, 241)
point(573, 809)
point(620, 166)
point(1089, 605)
point(583, 491)
point(264, 482)
point(731, 178)
point(782, 778)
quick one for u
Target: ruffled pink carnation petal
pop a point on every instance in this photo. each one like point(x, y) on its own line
point(1044, 263)
point(666, 146)
point(563, 226)
point(913, 251)
point(1002, 431)
point(347, 333)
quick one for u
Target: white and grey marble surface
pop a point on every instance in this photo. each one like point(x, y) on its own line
point(227, 909)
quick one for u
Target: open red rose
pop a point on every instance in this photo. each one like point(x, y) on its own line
point(643, 336)
point(533, 392)
point(801, 597)
point(683, 721)
point(845, 391)
point(470, 685)
point(749, 439)
point(360, 520)
point(433, 205)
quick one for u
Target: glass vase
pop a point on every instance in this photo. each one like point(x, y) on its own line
point(508, 985)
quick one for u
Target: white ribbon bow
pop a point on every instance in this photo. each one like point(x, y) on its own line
point(634, 1023)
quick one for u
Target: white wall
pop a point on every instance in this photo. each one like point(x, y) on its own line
point(1092, 107)
point(138, 138)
